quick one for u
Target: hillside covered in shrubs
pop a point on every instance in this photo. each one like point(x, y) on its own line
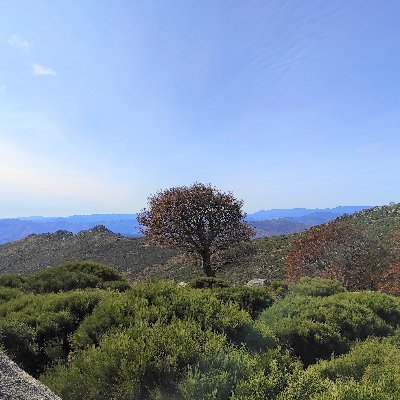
point(85, 332)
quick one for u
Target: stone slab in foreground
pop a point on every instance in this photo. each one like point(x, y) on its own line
point(16, 384)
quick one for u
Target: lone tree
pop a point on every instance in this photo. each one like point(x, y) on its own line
point(199, 219)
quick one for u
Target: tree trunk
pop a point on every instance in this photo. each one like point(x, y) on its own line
point(206, 261)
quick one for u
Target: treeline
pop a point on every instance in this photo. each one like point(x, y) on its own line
point(86, 333)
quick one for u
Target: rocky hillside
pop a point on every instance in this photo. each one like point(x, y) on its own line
point(36, 252)
point(136, 259)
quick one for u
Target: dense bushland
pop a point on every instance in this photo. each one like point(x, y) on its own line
point(68, 276)
point(148, 338)
point(370, 371)
point(40, 312)
point(317, 327)
point(35, 329)
point(210, 340)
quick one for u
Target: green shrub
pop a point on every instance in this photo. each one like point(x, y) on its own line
point(35, 329)
point(318, 287)
point(371, 371)
point(311, 340)
point(9, 293)
point(316, 327)
point(216, 376)
point(113, 312)
point(304, 386)
point(16, 281)
point(251, 299)
point(205, 282)
point(257, 337)
point(278, 289)
point(395, 338)
point(383, 305)
point(160, 302)
point(142, 342)
point(157, 341)
point(131, 363)
point(66, 277)
point(232, 373)
point(75, 275)
point(18, 341)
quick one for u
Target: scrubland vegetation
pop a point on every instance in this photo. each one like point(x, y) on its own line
point(330, 331)
point(86, 333)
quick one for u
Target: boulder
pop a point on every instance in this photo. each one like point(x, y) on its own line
point(258, 282)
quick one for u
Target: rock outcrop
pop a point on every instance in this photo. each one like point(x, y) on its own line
point(16, 384)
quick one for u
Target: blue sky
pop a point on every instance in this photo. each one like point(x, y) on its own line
point(285, 103)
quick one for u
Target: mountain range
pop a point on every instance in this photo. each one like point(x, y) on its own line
point(263, 257)
point(268, 223)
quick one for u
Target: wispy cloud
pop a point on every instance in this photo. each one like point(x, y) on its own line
point(42, 70)
point(2, 88)
point(18, 42)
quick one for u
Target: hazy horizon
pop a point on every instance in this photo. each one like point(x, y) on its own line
point(287, 104)
point(137, 211)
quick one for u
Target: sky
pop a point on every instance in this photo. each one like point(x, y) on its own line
point(285, 103)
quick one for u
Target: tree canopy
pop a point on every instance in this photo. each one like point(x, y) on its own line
point(198, 218)
point(337, 251)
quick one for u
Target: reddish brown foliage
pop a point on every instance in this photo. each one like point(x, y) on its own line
point(198, 219)
point(395, 248)
point(337, 251)
point(389, 281)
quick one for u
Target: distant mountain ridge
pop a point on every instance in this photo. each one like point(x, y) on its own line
point(263, 215)
point(17, 228)
point(267, 222)
point(76, 219)
point(277, 227)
